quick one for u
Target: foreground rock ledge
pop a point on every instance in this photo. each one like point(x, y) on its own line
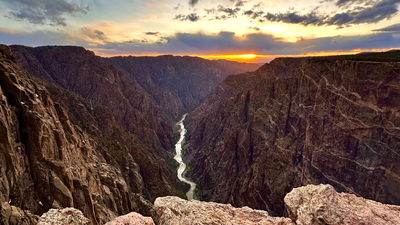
point(312, 204)
point(176, 211)
point(323, 205)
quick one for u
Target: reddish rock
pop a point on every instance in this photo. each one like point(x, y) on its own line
point(66, 216)
point(131, 219)
point(174, 210)
point(323, 205)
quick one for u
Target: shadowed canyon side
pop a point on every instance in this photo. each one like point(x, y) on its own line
point(177, 83)
point(299, 121)
point(47, 162)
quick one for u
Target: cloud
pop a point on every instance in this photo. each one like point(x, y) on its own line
point(253, 28)
point(257, 43)
point(240, 3)
point(94, 34)
point(43, 12)
point(312, 18)
point(226, 13)
point(392, 28)
point(193, 3)
point(177, 7)
point(369, 12)
point(200, 43)
point(191, 17)
point(231, 12)
point(152, 33)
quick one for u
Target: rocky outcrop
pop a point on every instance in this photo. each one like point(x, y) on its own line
point(178, 83)
point(323, 205)
point(66, 216)
point(174, 210)
point(11, 215)
point(131, 219)
point(298, 121)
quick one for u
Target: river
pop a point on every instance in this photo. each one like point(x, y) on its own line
point(178, 158)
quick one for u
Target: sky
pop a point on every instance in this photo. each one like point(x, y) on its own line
point(241, 30)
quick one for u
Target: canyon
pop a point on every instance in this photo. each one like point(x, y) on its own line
point(80, 132)
point(98, 134)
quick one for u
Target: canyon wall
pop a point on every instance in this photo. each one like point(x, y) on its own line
point(299, 121)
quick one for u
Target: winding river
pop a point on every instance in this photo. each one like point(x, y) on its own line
point(178, 158)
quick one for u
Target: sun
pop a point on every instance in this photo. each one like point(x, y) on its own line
point(247, 56)
point(234, 57)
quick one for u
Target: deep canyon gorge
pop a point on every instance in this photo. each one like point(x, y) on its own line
point(100, 134)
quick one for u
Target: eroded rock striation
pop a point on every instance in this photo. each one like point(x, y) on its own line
point(299, 121)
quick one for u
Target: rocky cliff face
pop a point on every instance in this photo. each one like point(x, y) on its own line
point(178, 83)
point(48, 162)
point(113, 109)
point(295, 122)
point(81, 72)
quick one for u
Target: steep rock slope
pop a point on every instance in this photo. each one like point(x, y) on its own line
point(299, 121)
point(48, 162)
point(178, 83)
point(80, 71)
point(116, 112)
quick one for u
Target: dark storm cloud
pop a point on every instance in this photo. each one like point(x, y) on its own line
point(43, 11)
point(193, 3)
point(191, 17)
point(392, 28)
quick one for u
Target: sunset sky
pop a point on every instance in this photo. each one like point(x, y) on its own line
point(251, 30)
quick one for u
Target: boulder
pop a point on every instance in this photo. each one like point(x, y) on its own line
point(323, 205)
point(66, 216)
point(131, 219)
